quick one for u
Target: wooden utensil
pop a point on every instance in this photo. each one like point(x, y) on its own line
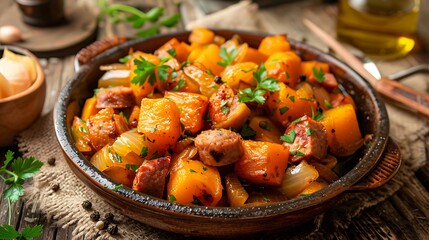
point(406, 97)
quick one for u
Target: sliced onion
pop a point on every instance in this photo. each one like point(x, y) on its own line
point(103, 159)
point(325, 172)
point(114, 78)
point(129, 142)
point(237, 195)
point(297, 178)
point(188, 153)
point(114, 66)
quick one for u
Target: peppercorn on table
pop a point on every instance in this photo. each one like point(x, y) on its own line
point(398, 212)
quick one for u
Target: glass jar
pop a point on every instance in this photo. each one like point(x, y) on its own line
point(380, 28)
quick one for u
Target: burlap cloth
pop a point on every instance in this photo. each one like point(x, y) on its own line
point(63, 208)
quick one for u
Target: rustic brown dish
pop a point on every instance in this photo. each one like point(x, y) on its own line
point(374, 164)
point(19, 111)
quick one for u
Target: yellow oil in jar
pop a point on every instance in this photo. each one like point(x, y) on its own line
point(380, 28)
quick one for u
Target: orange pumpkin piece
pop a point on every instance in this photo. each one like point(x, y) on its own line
point(201, 36)
point(134, 116)
point(192, 108)
point(285, 67)
point(209, 58)
point(225, 110)
point(310, 67)
point(252, 55)
point(286, 105)
point(159, 122)
point(150, 176)
point(263, 163)
point(273, 44)
point(193, 183)
point(89, 108)
point(342, 128)
point(174, 48)
point(313, 187)
point(265, 129)
point(121, 175)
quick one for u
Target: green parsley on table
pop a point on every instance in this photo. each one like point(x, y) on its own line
point(14, 172)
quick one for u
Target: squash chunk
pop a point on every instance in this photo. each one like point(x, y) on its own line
point(263, 163)
point(192, 182)
point(159, 122)
point(209, 57)
point(273, 44)
point(285, 67)
point(342, 128)
point(286, 105)
point(192, 108)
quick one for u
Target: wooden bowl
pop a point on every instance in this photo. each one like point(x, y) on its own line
point(19, 111)
point(369, 168)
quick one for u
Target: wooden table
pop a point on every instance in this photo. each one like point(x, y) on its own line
point(402, 216)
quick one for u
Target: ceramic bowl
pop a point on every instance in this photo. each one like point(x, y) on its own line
point(19, 111)
point(369, 168)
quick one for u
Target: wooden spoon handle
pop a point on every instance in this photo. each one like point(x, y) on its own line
point(408, 97)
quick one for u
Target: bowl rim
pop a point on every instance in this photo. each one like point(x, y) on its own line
point(162, 206)
point(40, 77)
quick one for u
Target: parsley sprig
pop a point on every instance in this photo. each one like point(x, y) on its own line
point(137, 19)
point(227, 58)
point(263, 84)
point(14, 172)
point(146, 71)
point(319, 74)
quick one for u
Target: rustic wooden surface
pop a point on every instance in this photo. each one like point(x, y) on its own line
point(402, 216)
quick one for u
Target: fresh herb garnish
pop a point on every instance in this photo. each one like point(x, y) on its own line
point(317, 116)
point(172, 52)
point(117, 157)
point(171, 198)
point(227, 58)
point(264, 125)
point(192, 170)
point(205, 168)
point(14, 172)
point(133, 167)
point(319, 75)
point(297, 153)
point(263, 84)
point(283, 110)
point(117, 187)
point(137, 19)
point(247, 132)
point(126, 58)
point(289, 137)
point(328, 104)
point(144, 152)
point(196, 201)
point(146, 71)
point(310, 131)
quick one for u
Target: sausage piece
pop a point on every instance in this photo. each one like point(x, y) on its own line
point(115, 97)
point(150, 176)
point(306, 138)
point(219, 147)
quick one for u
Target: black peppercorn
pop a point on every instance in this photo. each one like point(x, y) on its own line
point(112, 229)
point(95, 216)
point(218, 80)
point(106, 223)
point(51, 161)
point(55, 187)
point(109, 217)
point(86, 204)
point(302, 77)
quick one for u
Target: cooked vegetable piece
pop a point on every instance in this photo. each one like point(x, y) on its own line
point(107, 157)
point(313, 187)
point(121, 175)
point(201, 36)
point(205, 80)
point(251, 55)
point(324, 172)
point(150, 176)
point(225, 110)
point(273, 44)
point(188, 152)
point(285, 67)
point(342, 128)
point(133, 119)
point(322, 97)
point(89, 108)
point(192, 108)
point(115, 97)
point(305, 139)
point(81, 139)
point(236, 193)
point(338, 99)
point(263, 163)
point(297, 178)
point(194, 183)
point(142, 90)
point(159, 122)
point(174, 49)
point(286, 105)
point(132, 141)
point(180, 82)
point(240, 72)
point(115, 78)
point(209, 58)
point(315, 70)
point(266, 130)
point(219, 147)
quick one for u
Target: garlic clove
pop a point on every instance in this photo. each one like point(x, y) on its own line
point(10, 34)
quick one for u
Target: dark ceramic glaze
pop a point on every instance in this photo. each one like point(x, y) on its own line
point(224, 221)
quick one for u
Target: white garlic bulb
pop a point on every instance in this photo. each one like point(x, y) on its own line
point(10, 34)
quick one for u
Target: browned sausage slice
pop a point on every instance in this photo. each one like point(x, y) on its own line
point(115, 97)
point(150, 176)
point(306, 138)
point(219, 147)
point(102, 128)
